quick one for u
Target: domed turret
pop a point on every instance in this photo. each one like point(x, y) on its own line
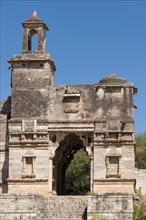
point(112, 79)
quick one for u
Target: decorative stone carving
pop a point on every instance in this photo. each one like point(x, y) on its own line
point(14, 137)
point(42, 136)
point(29, 137)
point(27, 125)
point(52, 152)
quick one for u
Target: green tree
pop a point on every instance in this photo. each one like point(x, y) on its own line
point(140, 152)
point(78, 175)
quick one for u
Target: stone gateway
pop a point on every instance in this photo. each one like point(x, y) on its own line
point(44, 125)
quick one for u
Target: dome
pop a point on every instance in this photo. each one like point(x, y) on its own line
point(113, 79)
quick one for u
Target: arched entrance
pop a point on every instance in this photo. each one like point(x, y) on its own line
point(63, 157)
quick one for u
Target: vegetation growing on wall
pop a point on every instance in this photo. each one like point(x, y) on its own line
point(140, 152)
point(139, 206)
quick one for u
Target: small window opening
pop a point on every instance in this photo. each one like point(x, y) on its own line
point(33, 40)
point(71, 99)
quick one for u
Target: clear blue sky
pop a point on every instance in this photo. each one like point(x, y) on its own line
point(87, 39)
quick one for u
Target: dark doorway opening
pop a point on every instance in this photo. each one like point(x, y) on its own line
point(71, 167)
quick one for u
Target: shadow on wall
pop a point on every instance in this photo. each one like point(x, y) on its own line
point(84, 217)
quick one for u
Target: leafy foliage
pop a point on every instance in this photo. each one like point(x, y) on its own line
point(140, 211)
point(78, 175)
point(139, 206)
point(140, 153)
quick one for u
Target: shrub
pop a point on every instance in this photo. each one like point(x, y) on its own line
point(139, 206)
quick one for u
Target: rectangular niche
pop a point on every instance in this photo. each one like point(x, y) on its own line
point(28, 167)
point(113, 167)
point(113, 89)
point(71, 98)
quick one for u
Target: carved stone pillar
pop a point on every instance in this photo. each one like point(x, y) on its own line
point(33, 166)
point(50, 180)
point(89, 151)
point(91, 174)
point(24, 165)
point(50, 174)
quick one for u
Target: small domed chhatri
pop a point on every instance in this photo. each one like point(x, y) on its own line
point(113, 79)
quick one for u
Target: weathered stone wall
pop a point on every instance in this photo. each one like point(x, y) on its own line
point(41, 162)
point(113, 206)
point(18, 175)
point(30, 207)
point(30, 83)
point(5, 110)
point(126, 163)
point(3, 148)
point(34, 96)
point(17, 207)
point(74, 102)
point(26, 207)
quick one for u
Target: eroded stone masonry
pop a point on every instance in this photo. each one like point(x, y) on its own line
point(44, 125)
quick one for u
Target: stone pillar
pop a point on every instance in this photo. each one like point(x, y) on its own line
point(52, 150)
point(89, 151)
point(50, 180)
point(24, 165)
point(107, 167)
point(25, 40)
point(91, 174)
point(33, 166)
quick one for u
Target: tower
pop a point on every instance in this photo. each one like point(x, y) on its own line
point(32, 73)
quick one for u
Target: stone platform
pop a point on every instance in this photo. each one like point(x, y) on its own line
point(37, 207)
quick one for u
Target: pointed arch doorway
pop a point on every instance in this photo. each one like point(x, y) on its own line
point(64, 155)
